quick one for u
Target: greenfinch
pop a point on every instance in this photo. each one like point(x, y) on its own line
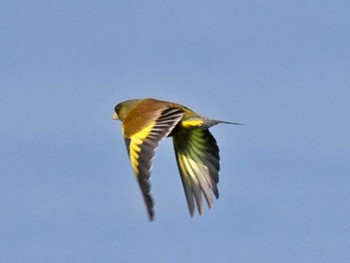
point(145, 122)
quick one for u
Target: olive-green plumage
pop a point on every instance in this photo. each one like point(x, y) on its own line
point(146, 122)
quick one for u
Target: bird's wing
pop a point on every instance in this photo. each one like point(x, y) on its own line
point(142, 145)
point(197, 156)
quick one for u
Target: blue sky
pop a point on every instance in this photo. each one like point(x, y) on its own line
point(68, 193)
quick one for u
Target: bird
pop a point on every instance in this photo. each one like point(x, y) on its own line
point(146, 122)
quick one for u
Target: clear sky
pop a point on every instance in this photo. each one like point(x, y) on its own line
point(67, 191)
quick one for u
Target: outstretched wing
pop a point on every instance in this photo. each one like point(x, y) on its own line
point(197, 156)
point(142, 145)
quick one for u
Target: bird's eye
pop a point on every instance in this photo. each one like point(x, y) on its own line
point(116, 109)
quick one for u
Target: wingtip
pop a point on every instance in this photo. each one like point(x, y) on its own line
point(200, 208)
point(191, 210)
point(151, 216)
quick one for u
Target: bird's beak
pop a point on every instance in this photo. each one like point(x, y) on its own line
point(115, 116)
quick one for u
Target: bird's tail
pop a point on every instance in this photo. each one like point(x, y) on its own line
point(204, 123)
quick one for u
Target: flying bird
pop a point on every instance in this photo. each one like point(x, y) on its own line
point(145, 122)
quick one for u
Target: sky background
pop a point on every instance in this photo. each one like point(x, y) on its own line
point(67, 191)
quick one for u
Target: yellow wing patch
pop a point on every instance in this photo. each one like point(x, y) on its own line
point(134, 147)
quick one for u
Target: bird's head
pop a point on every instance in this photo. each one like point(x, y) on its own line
point(122, 109)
